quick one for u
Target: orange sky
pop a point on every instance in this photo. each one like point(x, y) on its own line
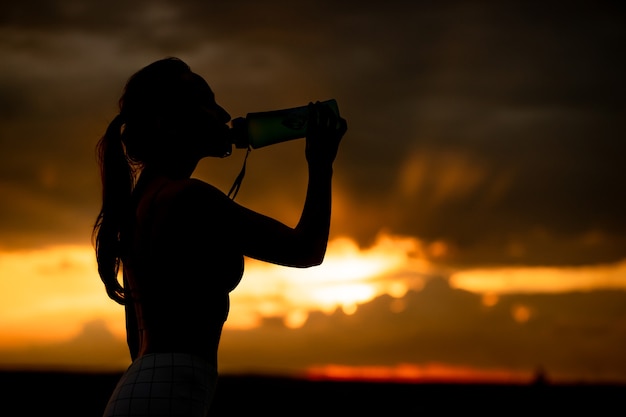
point(56, 314)
point(478, 228)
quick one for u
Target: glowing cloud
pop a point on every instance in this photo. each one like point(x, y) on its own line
point(541, 279)
point(349, 275)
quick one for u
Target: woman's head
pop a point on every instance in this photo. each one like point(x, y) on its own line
point(167, 109)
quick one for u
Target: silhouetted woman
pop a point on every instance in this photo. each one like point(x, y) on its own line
point(180, 241)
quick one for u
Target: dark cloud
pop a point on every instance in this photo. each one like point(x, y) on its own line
point(507, 116)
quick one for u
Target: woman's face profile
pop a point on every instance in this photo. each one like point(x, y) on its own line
point(207, 122)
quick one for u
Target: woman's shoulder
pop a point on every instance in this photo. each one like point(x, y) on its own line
point(171, 188)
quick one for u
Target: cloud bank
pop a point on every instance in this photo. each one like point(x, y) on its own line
point(571, 336)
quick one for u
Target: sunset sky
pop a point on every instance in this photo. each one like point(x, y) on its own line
point(479, 227)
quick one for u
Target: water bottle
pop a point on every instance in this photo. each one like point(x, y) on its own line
point(269, 127)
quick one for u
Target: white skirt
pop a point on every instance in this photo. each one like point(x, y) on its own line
point(164, 384)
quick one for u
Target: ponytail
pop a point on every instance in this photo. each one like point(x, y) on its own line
point(117, 177)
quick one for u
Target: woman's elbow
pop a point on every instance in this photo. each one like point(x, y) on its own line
point(315, 257)
point(313, 262)
point(303, 253)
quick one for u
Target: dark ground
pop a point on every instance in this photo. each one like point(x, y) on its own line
point(84, 395)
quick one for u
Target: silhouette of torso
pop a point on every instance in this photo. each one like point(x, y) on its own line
point(180, 265)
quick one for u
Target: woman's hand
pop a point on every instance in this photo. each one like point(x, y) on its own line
point(324, 132)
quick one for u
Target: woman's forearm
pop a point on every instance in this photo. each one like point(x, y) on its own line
point(314, 225)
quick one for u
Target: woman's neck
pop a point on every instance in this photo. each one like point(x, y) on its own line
point(174, 169)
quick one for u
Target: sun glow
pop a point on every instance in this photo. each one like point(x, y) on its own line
point(349, 276)
point(346, 296)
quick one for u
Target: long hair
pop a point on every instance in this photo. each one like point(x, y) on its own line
point(117, 177)
point(151, 100)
